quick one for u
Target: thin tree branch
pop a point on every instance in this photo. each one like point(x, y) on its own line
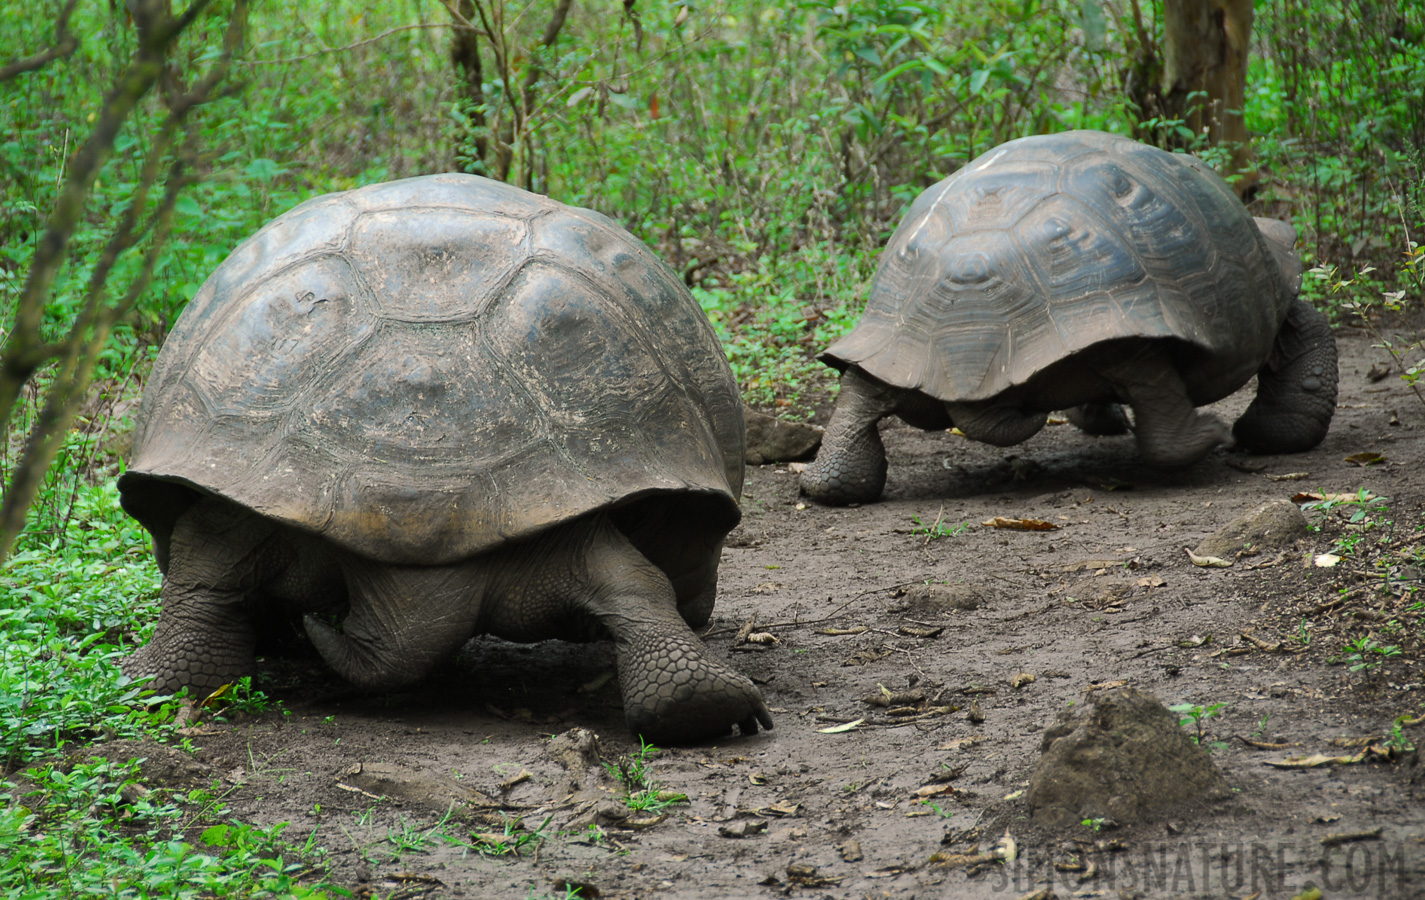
point(64, 46)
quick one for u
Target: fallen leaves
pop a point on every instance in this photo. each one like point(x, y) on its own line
point(1370, 753)
point(1207, 562)
point(842, 728)
point(1348, 837)
point(866, 656)
point(1020, 524)
point(1366, 458)
point(742, 829)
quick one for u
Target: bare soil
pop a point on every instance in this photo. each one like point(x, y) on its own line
point(899, 804)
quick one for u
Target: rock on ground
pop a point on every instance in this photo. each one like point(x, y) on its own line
point(1123, 757)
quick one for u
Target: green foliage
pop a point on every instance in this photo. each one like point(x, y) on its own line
point(939, 529)
point(71, 594)
point(1365, 654)
point(1197, 716)
point(642, 793)
point(76, 831)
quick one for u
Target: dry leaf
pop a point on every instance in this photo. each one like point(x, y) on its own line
point(1290, 476)
point(641, 824)
point(1021, 680)
point(898, 698)
point(842, 728)
point(1151, 581)
point(1020, 524)
point(869, 655)
point(934, 790)
point(1316, 760)
point(1263, 745)
point(1347, 837)
point(839, 632)
point(960, 743)
point(1209, 562)
point(1365, 458)
point(920, 631)
point(1325, 560)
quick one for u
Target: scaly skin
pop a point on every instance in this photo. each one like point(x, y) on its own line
point(851, 465)
point(582, 580)
point(1296, 388)
point(1171, 433)
point(223, 562)
point(1099, 419)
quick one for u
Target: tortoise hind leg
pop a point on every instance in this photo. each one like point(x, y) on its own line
point(673, 691)
point(1170, 432)
point(851, 465)
point(1099, 419)
point(1296, 388)
point(204, 638)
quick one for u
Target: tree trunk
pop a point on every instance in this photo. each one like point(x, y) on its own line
point(465, 55)
point(1205, 44)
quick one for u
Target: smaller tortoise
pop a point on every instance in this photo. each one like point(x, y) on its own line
point(437, 408)
point(1079, 271)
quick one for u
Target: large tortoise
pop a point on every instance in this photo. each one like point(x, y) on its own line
point(436, 408)
point(1079, 271)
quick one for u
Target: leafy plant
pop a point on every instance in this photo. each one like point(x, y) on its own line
point(507, 842)
point(1366, 654)
point(641, 792)
point(938, 529)
point(1197, 716)
point(77, 828)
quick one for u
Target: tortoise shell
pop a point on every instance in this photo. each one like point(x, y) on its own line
point(423, 370)
point(1046, 246)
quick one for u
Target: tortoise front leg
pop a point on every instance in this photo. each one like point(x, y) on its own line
point(851, 465)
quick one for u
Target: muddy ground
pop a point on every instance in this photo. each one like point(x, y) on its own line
point(388, 784)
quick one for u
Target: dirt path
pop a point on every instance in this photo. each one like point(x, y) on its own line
point(1108, 596)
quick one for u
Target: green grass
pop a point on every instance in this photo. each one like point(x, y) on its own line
point(72, 592)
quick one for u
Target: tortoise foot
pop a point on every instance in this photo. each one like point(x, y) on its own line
point(674, 694)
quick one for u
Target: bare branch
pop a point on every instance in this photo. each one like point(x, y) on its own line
point(326, 51)
point(89, 332)
point(64, 46)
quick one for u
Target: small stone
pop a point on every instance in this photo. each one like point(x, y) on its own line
point(770, 439)
point(1273, 525)
point(943, 598)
